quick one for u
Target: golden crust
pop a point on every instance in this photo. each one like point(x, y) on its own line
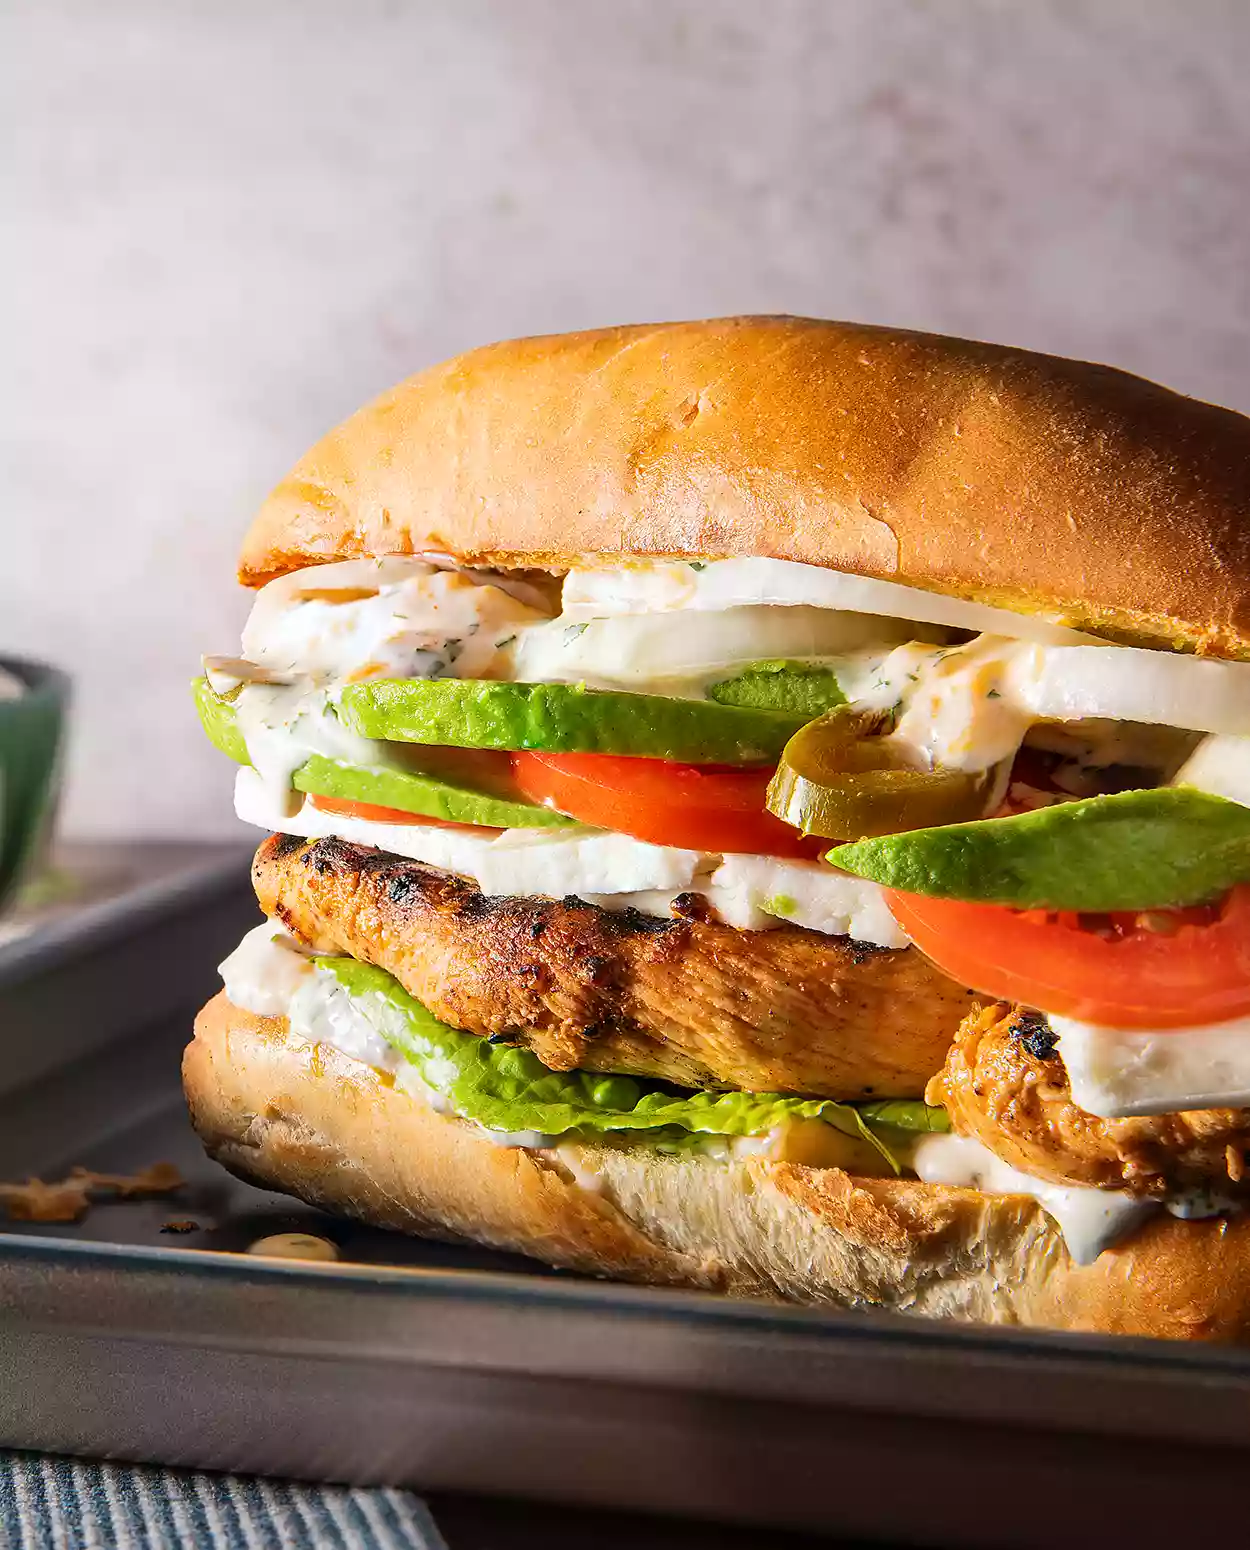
point(310, 1121)
point(692, 1002)
point(1026, 480)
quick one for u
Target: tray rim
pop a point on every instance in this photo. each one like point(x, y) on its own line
point(103, 922)
point(865, 1327)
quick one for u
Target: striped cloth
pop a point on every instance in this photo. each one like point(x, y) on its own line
point(49, 1503)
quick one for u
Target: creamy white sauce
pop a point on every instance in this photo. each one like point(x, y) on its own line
point(325, 626)
point(1090, 1220)
point(587, 1176)
point(674, 627)
point(605, 868)
point(284, 725)
point(265, 970)
point(1118, 1072)
point(969, 707)
point(322, 1011)
point(392, 618)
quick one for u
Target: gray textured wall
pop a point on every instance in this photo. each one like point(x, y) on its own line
point(235, 221)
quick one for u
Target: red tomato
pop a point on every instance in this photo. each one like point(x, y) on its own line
point(372, 813)
point(1157, 969)
point(715, 808)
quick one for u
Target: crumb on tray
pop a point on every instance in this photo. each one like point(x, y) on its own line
point(68, 1199)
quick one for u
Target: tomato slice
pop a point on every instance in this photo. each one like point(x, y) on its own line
point(693, 806)
point(372, 813)
point(1164, 969)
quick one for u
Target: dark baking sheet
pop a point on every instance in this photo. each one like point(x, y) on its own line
point(458, 1369)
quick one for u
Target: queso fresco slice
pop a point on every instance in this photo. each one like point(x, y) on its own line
point(564, 718)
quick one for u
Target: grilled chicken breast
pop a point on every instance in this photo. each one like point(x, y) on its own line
point(1005, 1085)
point(690, 1001)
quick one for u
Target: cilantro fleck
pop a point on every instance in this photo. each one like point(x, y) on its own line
point(574, 630)
point(697, 564)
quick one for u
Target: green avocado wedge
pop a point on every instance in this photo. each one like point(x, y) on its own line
point(509, 1089)
point(385, 786)
point(1138, 850)
point(426, 795)
point(564, 718)
point(797, 688)
point(218, 720)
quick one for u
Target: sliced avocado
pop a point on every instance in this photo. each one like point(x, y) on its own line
point(415, 793)
point(800, 688)
point(408, 790)
point(1138, 850)
point(563, 718)
point(218, 720)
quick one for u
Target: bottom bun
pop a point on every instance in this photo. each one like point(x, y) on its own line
point(310, 1121)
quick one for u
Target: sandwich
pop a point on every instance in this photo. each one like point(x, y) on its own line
point(763, 806)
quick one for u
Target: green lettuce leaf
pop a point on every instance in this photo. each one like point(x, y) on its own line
point(509, 1089)
point(905, 1114)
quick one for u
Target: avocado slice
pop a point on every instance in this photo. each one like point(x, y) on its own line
point(218, 720)
point(1137, 850)
point(800, 688)
point(428, 795)
point(408, 790)
point(563, 718)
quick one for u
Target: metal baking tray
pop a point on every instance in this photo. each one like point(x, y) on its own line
point(457, 1369)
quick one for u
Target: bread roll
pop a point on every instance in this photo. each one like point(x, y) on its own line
point(306, 1119)
point(1028, 481)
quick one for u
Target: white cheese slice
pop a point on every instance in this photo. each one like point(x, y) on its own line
point(1117, 1072)
point(611, 870)
point(804, 893)
point(514, 862)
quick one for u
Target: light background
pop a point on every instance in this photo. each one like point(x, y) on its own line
point(232, 222)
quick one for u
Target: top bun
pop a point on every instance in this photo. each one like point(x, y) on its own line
point(1028, 481)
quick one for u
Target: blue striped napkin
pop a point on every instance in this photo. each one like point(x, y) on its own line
point(49, 1503)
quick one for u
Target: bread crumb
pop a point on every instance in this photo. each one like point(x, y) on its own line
point(68, 1199)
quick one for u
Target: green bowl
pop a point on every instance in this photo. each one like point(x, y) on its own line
point(31, 724)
